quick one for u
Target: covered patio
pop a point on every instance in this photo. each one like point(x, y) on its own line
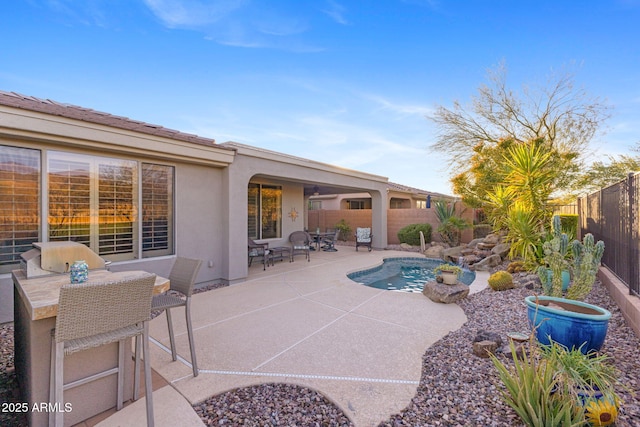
point(303, 323)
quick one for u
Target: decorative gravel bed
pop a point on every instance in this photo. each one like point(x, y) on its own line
point(456, 388)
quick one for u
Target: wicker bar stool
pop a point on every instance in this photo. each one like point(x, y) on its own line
point(182, 278)
point(95, 314)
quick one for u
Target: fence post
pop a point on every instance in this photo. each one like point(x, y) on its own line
point(633, 267)
point(581, 219)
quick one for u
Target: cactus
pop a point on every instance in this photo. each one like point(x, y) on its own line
point(516, 267)
point(586, 260)
point(555, 251)
point(501, 281)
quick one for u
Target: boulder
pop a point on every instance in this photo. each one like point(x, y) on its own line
point(405, 246)
point(501, 249)
point(488, 263)
point(485, 246)
point(472, 244)
point(470, 259)
point(491, 239)
point(483, 335)
point(486, 342)
point(446, 294)
point(452, 254)
point(484, 348)
point(434, 252)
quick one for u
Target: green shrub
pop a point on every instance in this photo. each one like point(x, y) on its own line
point(569, 225)
point(411, 234)
point(344, 228)
point(501, 281)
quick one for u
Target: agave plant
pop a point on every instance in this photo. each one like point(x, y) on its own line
point(451, 224)
point(523, 233)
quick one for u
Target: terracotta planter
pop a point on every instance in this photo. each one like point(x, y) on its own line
point(574, 324)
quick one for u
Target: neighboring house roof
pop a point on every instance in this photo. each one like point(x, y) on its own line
point(393, 186)
point(12, 99)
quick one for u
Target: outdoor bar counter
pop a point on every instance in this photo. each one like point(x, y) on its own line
point(35, 310)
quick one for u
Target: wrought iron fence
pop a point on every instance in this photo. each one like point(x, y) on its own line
point(611, 215)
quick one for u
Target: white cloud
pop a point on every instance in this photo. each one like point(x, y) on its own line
point(400, 108)
point(336, 12)
point(192, 13)
point(238, 23)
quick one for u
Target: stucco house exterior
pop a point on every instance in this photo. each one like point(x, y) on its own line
point(139, 194)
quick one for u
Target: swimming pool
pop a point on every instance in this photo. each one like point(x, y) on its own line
point(403, 274)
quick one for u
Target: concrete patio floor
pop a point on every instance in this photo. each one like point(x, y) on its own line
point(304, 323)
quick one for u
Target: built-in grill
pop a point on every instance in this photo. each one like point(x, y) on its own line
point(57, 257)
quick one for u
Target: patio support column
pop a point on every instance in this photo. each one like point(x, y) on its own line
point(234, 229)
point(379, 217)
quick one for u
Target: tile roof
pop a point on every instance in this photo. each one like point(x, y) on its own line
point(403, 188)
point(12, 99)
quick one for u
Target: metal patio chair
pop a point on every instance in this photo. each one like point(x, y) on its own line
point(363, 237)
point(329, 242)
point(96, 314)
point(182, 278)
point(258, 250)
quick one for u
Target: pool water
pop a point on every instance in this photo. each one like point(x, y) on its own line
point(404, 274)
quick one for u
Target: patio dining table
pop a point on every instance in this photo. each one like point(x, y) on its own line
point(317, 237)
point(35, 310)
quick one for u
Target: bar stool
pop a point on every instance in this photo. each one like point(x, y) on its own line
point(182, 278)
point(96, 314)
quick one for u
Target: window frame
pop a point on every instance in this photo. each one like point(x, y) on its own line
point(21, 238)
point(257, 221)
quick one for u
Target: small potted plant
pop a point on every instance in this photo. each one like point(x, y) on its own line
point(449, 273)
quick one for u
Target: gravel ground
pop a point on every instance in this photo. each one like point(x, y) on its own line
point(450, 393)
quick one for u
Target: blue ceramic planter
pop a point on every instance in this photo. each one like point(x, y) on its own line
point(566, 278)
point(568, 322)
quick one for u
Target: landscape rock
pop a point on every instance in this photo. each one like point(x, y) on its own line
point(484, 348)
point(492, 239)
point(452, 254)
point(434, 252)
point(488, 263)
point(472, 244)
point(501, 249)
point(445, 294)
point(483, 335)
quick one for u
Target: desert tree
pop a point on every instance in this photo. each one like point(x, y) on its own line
point(558, 112)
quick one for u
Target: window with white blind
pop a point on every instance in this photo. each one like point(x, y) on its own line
point(92, 200)
point(265, 211)
point(19, 203)
point(157, 210)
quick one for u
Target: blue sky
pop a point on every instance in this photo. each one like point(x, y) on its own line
point(344, 82)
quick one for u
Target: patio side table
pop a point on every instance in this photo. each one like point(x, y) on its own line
point(279, 253)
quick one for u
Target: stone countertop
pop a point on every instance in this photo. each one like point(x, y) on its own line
point(40, 294)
